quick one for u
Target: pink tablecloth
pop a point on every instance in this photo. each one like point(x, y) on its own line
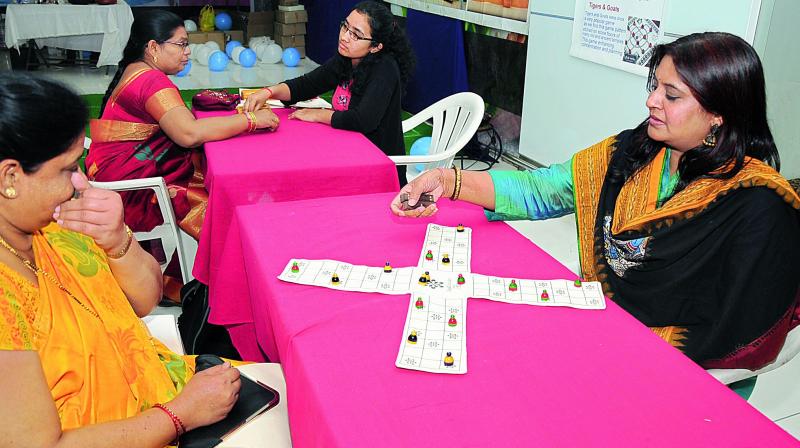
point(544, 377)
point(298, 161)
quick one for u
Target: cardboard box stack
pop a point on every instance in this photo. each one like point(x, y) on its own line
point(290, 25)
point(260, 23)
point(199, 37)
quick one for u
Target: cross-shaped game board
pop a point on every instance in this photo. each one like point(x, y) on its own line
point(434, 336)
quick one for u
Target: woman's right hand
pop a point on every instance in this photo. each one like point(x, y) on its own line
point(208, 396)
point(266, 118)
point(256, 101)
point(433, 182)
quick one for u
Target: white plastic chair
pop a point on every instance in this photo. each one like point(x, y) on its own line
point(455, 120)
point(173, 238)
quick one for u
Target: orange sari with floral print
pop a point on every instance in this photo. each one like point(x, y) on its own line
point(98, 368)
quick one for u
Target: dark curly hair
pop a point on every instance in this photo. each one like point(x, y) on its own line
point(386, 31)
point(725, 75)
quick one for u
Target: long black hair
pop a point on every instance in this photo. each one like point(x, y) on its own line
point(725, 75)
point(28, 132)
point(155, 24)
point(386, 31)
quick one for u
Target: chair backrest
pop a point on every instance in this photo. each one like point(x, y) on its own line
point(173, 240)
point(455, 120)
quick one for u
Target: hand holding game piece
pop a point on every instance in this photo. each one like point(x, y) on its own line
point(429, 183)
point(424, 200)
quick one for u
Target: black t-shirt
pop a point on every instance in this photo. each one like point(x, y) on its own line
point(375, 110)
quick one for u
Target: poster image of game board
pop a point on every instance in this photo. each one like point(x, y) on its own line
point(573, 294)
point(348, 277)
point(641, 38)
point(434, 336)
point(446, 248)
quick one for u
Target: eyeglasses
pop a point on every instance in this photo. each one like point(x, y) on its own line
point(183, 45)
point(344, 27)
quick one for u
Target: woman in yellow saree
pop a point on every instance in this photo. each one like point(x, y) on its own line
point(77, 366)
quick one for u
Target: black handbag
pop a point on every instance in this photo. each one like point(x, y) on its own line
point(254, 399)
point(199, 336)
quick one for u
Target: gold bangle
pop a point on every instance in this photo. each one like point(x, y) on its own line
point(254, 122)
point(124, 250)
point(457, 184)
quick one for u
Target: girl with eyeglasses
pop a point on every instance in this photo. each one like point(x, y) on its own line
point(369, 74)
point(146, 130)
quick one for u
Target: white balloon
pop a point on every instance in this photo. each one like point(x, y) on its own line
point(189, 25)
point(261, 51)
point(235, 54)
point(213, 45)
point(193, 50)
point(202, 54)
point(273, 54)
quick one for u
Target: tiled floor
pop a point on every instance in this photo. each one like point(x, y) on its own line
point(776, 394)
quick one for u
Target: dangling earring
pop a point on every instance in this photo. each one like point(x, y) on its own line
point(155, 59)
point(10, 192)
point(711, 138)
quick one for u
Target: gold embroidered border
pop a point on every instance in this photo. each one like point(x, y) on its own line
point(124, 84)
point(639, 195)
point(674, 335)
point(163, 101)
point(588, 171)
point(120, 131)
point(699, 194)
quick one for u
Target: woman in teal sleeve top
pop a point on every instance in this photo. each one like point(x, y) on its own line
point(684, 219)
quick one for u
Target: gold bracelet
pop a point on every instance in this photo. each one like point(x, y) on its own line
point(124, 250)
point(457, 185)
point(254, 122)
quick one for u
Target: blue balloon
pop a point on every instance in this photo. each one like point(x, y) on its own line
point(247, 58)
point(420, 148)
point(217, 61)
point(223, 21)
point(186, 69)
point(230, 46)
point(291, 57)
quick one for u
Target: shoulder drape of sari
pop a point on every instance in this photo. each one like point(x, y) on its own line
point(688, 268)
point(97, 369)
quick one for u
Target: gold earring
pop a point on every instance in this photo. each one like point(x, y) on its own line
point(155, 59)
point(711, 138)
point(11, 192)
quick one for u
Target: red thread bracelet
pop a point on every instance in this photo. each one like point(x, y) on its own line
point(270, 91)
point(176, 421)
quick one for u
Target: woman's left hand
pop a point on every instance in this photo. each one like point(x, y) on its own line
point(312, 115)
point(95, 212)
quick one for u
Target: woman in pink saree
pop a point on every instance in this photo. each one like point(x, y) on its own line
point(146, 130)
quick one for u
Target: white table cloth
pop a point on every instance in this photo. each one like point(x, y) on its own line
point(100, 28)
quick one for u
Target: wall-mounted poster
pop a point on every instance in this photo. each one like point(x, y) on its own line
point(617, 33)
point(458, 4)
point(509, 9)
